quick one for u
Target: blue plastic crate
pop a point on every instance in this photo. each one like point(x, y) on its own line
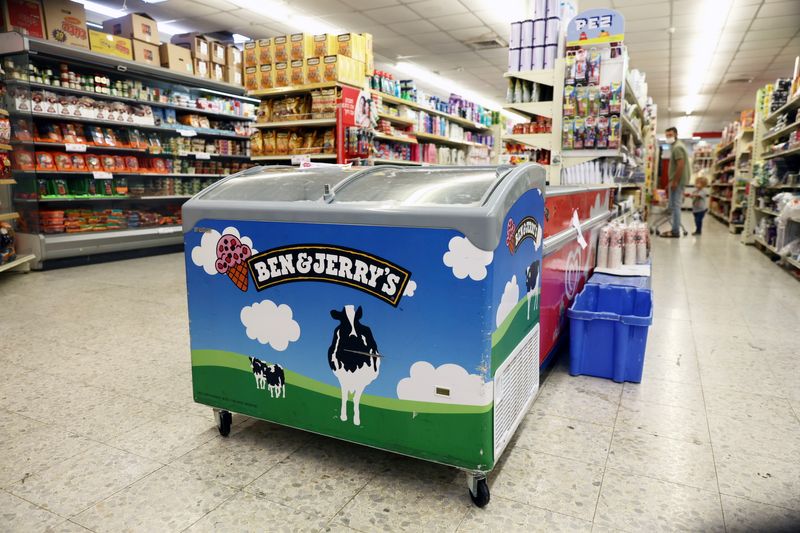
point(639, 282)
point(608, 332)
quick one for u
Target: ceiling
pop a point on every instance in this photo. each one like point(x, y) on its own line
point(667, 39)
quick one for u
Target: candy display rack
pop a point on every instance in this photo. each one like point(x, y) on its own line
point(106, 150)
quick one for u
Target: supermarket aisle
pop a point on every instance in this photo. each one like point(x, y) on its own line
point(99, 431)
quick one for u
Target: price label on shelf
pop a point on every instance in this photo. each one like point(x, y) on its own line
point(74, 147)
point(102, 175)
point(202, 155)
point(164, 231)
point(187, 133)
point(300, 159)
point(183, 153)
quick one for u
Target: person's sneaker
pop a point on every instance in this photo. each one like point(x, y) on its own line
point(696, 233)
point(669, 235)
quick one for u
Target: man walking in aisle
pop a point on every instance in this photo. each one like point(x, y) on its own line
point(679, 168)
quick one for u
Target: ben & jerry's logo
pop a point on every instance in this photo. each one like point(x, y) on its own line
point(527, 228)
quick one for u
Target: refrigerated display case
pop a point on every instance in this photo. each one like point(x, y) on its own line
point(392, 307)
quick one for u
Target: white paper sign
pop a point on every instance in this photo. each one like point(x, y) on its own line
point(74, 147)
point(300, 159)
point(187, 133)
point(202, 155)
point(576, 223)
point(102, 175)
point(183, 153)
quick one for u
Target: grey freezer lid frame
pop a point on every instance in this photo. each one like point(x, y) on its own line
point(482, 224)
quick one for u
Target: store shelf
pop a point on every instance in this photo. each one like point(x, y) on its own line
point(382, 161)
point(792, 151)
point(725, 147)
point(537, 140)
point(766, 211)
point(726, 159)
point(630, 96)
point(115, 123)
point(296, 123)
point(19, 261)
point(797, 186)
point(545, 77)
point(628, 126)
point(3, 112)
point(763, 243)
point(395, 138)
point(430, 137)
point(8, 182)
point(777, 133)
point(391, 99)
point(6, 147)
point(792, 262)
point(39, 145)
point(284, 157)
point(102, 199)
point(294, 89)
point(791, 104)
point(721, 198)
point(8, 216)
point(543, 109)
point(397, 120)
point(717, 184)
point(56, 173)
point(135, 101)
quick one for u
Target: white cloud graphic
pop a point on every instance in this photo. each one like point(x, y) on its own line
point(466, 259)
point(508, 300)
point(270, 324)
point(448, 383)
point(600, 204)
point(411, 288)
point(205, 255)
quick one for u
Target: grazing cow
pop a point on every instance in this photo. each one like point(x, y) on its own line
point(531, 283)
point(353, 357)
point(270, 377)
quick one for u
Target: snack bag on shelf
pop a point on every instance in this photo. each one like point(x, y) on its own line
point(569, 101)
point(44, 161)
point(579, 128)
point(78, 162)
point(614, 132)
point(256, 145)
point(605, 97)
point(63, 162)
point(282, 142)
point(567, 133)
point(581, 101)
point(590, 131)
point(593, 93)
point(21, 131)
point(49, 133)
point(268, 142)
point(602, 133)
point(615, 102)
point(93, 163)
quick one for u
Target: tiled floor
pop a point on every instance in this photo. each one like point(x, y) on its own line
point(98, 430)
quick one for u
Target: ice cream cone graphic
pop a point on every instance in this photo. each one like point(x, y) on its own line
point(231, 257)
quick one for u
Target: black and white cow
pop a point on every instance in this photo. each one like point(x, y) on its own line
point(353, 356)
point(531, 283)
point(269, 377)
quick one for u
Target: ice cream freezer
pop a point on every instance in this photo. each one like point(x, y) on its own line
point(392, 307)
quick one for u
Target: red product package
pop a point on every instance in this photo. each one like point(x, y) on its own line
point(109, 163)
point(132, 163)
point(97, 135)
point(93, 163)
point(24, 160)
point(158, 165)
point(63, 162)
point(119, 162)
point(21, 131)
point(78, 162)
point(44, 161)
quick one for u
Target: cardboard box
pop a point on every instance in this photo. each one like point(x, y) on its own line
point(280, 49)
point(297, 73)
point(66, 23)
point(23, 16)
point(194, 42)
point(112, 45)
point(343, 69)
point(264, 51)
point(300, 46)
point(250, 54)
point(251, 78)
point(233, 56)
point(369, 59)
point(217, 53)
point(201, 69)
point(146, 53)
point(176, 58)
point(323, 45)
point(265, 77)
point(313, 70)
point(216, 71)
point(351, 45)
point(134, 26)
point(233, 74)
point(280, 74)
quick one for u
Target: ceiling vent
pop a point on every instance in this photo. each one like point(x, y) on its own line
point(738, 80)
point(486, 42)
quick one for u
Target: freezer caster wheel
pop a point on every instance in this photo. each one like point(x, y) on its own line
point(224, 419)
point(479, 491)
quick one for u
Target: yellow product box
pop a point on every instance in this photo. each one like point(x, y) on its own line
point(350, 45)
point(251, 78)
point(313, 70)
point(233, 74)
point(176, 58)
point(369, 59)
point(266, 77)
point(146, 53)
point(201, 69)
point(66, 22)
point(250, 54)
point(300, 46)
point(297, 73)
point(111, 45)
point(280, 49)
point(280, 74)
point(217, 52)
point(264, 51)
point(343, 69)
point(323, 45)
point(139, 26)
point(233, 56)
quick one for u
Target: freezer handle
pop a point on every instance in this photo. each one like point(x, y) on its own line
point(555, 242)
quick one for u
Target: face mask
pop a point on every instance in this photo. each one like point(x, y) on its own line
point(670, 140)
